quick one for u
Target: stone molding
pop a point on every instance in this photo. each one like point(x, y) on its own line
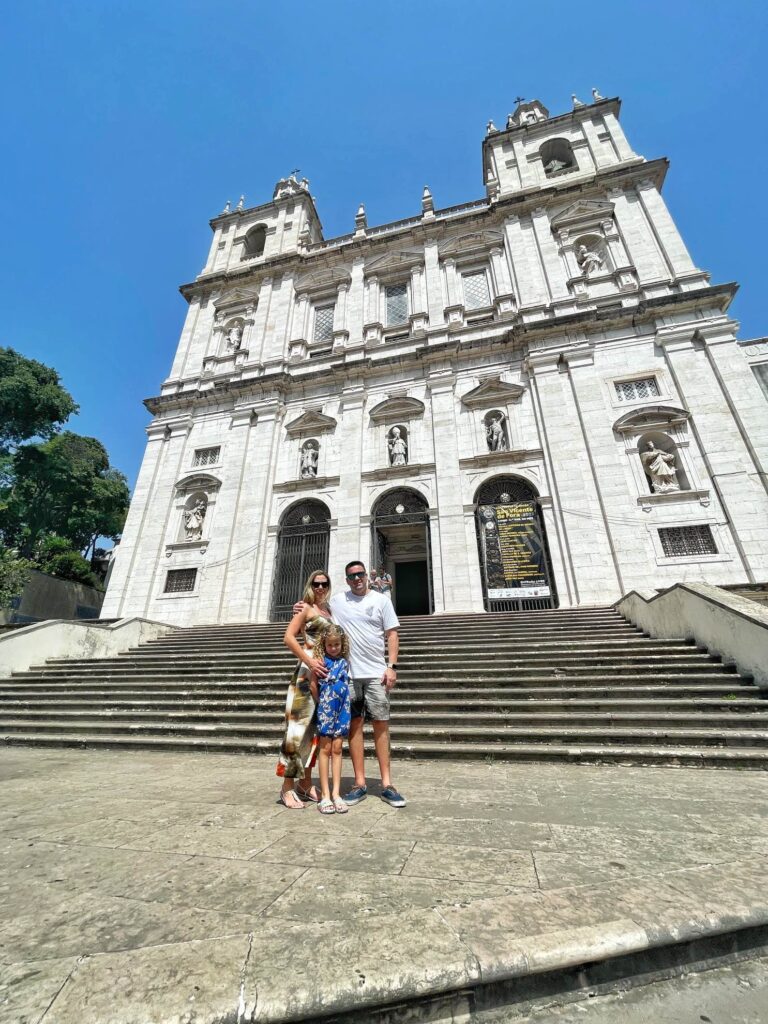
point(492, 391)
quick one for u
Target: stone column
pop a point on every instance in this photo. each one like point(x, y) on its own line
point(728, 460)
point(340, 332)
point(434, 285)
point(553, 265)
point(345, 540)
point(373, 325)
point(418, 318)
point(504, 299)
point(355, 303)
point(455, 308)
point(588, 545)
point(531, 286)
point(669, 237)
point(297, 346)
point(449, 542)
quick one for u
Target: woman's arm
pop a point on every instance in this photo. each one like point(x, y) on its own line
point(313, 687)
point(291, 641)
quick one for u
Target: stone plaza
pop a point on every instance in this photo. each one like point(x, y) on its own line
point(391, 393)
point(179, 890)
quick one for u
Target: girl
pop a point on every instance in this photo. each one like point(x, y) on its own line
point(333, 712)
point(299, 747)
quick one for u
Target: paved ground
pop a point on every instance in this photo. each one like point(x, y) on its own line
point(173, 887)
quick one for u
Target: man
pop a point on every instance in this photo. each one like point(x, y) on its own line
point(370, 621)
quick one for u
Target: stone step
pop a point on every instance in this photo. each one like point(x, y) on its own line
point(579, 753)
point(425, 718)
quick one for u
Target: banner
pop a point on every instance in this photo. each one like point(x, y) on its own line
point(514, 551)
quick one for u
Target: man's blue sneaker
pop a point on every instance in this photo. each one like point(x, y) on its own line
point(392, 797)
point(354, 796)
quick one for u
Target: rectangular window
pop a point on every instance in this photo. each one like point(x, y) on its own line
point(397, 304)
point(631, 390)
point(678, 541)
point(180, 581)
point(206, 456)
point(323, 323)
point(476, 293)
point(760, 370)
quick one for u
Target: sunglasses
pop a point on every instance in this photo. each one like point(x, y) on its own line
point(356, 575)
point(320, 583)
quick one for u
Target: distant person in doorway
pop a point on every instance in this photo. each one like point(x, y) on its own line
point(371, 624)
point(381, 582)
point(299, 746)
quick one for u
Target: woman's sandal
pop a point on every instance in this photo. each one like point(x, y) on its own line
point(310, 794)
point(339, 806)
point(326, 807)
point(290, 799)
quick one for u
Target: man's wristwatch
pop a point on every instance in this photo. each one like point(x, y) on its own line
point(393, 665)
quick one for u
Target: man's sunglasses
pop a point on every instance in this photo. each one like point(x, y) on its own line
point(356, 575)
point(320, 583)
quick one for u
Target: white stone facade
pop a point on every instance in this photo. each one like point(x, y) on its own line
point(565, 301)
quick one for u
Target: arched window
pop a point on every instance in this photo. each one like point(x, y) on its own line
point(255, 240)
point(557, 157)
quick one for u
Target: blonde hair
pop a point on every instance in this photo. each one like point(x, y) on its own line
point(308, 596)
point(335, 632)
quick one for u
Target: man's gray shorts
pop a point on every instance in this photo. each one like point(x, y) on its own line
point(369, 697)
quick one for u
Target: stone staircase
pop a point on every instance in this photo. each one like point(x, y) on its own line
point(568, 685)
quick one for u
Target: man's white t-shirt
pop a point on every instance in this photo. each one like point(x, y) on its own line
point(365, 619)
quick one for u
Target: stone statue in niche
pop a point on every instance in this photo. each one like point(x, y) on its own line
point(235, 337)
point(555, 165)
point(309, 457)
point(398, 448)
point(193, 520)
point(494, 435)
point(589, 261)
point(660, 466)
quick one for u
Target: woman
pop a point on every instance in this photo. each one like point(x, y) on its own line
point(299, 746)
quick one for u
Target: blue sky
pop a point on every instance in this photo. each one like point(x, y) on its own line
point(128, 124)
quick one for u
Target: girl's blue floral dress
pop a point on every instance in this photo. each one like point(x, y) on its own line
point(334, 711)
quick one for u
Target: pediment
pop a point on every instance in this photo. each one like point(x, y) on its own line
point(470, 241)
point(585, 210)
point(311, 422)
point(492, 391)
point(401, 259)
point(397, 408)
point(650, 416)
point(198, 481)
point(328, 277)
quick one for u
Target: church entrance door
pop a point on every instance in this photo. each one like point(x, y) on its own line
point(302, 547)
point(400, 545)
point(512, 544)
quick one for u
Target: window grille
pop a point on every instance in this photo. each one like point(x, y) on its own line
point(180, 581)
point(207, 456)
point(631, 390)
point(760, 370)
point(397, 304)
point(476, 294)
point(678, 541)
point(324, 323)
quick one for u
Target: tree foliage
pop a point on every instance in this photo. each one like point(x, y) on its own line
point(13, 575)
point(32, 401)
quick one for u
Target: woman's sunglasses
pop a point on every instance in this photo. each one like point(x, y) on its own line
point(320, 583)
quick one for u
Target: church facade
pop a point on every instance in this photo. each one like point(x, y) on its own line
point(535, 399)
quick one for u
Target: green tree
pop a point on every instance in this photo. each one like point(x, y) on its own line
point(65, 487)
point(32, 401)
point(13, 575)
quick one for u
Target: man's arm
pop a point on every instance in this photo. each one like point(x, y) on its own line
point(393, 647)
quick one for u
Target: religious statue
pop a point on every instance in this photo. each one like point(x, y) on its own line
point(398, 449)
point(308, 462)
point(235, 337)
point(588, 260)
point(193, 520)
point(660, 466)
point(555, 165)
point(494, 435)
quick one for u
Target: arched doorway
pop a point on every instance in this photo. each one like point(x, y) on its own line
point(400, 544)
point(302, 546)
point(515, 567)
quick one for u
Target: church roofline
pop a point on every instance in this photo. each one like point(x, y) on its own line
point(611, 105)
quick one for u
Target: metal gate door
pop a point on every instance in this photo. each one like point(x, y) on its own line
point(302, 547)
point(397, 507)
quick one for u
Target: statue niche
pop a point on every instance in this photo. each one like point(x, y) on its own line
point(309, 457)
point(590, 255)
point(397, 446)
point(195, 510)
point(496, 433)
point(657, 454)
point(233, 333)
